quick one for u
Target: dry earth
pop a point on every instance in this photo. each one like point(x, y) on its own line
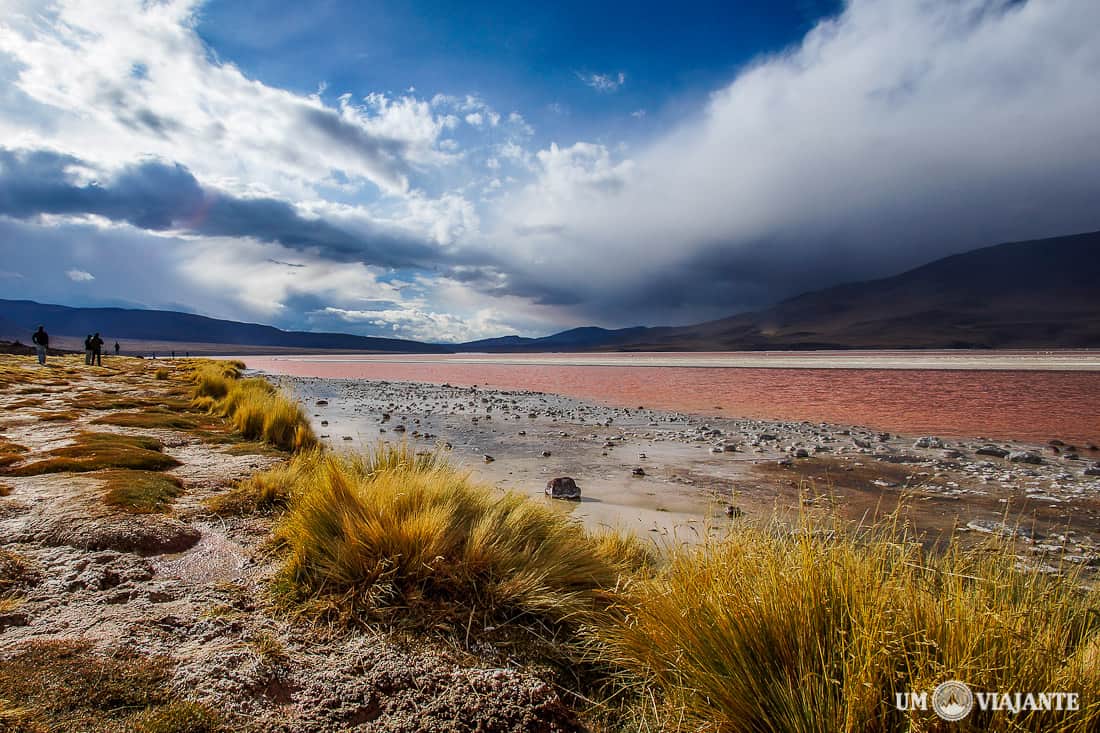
point(184, 584)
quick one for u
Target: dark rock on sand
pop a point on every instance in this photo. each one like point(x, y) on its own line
point(1023, 456)
point(563, 488)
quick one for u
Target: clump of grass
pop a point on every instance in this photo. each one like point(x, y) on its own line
point(267, 491)
point(150, 418)
point(10, 452)
point(253, 406)
point(395, 536)
point(22, 404)
point(5, 490)
point(59, 416)
point(96, 451)
point(140, 492)
point(54, 686)
point(763, 631)
point(161, 374)
point(213, 379)
point(16, 573)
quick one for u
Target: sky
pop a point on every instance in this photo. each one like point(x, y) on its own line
point(449, 171)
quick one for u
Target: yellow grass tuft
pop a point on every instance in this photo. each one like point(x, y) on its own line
point(161, 374)
point(408, 538)
point(253, 406)
point(764, 631)
point(267, 491)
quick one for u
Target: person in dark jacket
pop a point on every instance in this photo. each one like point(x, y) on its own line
point(116, 348)
point(97, 349)
point(41, 341)
point(88, 349)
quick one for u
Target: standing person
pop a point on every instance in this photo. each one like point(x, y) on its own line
point(41, 341)
point(88, 349)
point(97, 349)
point(116, 348)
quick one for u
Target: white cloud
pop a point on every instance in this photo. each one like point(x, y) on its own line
point(79, 276)
point(603, 82)
point(119, 78)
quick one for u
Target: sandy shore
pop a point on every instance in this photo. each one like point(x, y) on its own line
point(698, 468)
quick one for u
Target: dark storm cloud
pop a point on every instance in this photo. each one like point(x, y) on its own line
point(157, 196)
point(384, 155)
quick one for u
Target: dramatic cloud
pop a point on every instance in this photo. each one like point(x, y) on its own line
point(107, 78)
point(161, 197)
point(897, 132)
point(79, 276)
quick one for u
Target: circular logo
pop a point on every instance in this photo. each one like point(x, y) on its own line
point(952, 700)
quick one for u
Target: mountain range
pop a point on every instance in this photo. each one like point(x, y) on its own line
point(1037, 294)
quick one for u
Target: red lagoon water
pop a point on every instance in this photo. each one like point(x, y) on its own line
point(1033, 406)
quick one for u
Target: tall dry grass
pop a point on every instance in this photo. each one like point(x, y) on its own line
point(764, 631)
point(399, 537)
point(253, 406)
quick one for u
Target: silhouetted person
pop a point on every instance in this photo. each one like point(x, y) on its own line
point(116, 348)
point(41, 341)
point(97, 349)
point(173, 355)
point(88, 349)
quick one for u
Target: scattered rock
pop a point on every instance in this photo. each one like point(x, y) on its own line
point(733, 512)
point(991, 450)
point(1023, 456)
point(638, 472)
point(488, 458)
point(563, 488)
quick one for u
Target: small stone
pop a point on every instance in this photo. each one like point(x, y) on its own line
point(733, 512)
point(488, 458)
point(638, 472)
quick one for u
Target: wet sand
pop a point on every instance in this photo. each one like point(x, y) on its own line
point(696, 466)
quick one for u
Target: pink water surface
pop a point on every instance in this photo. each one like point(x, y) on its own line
point(1033, 406)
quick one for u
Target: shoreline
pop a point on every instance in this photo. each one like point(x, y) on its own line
point(695, 465)
point(1071, 360)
